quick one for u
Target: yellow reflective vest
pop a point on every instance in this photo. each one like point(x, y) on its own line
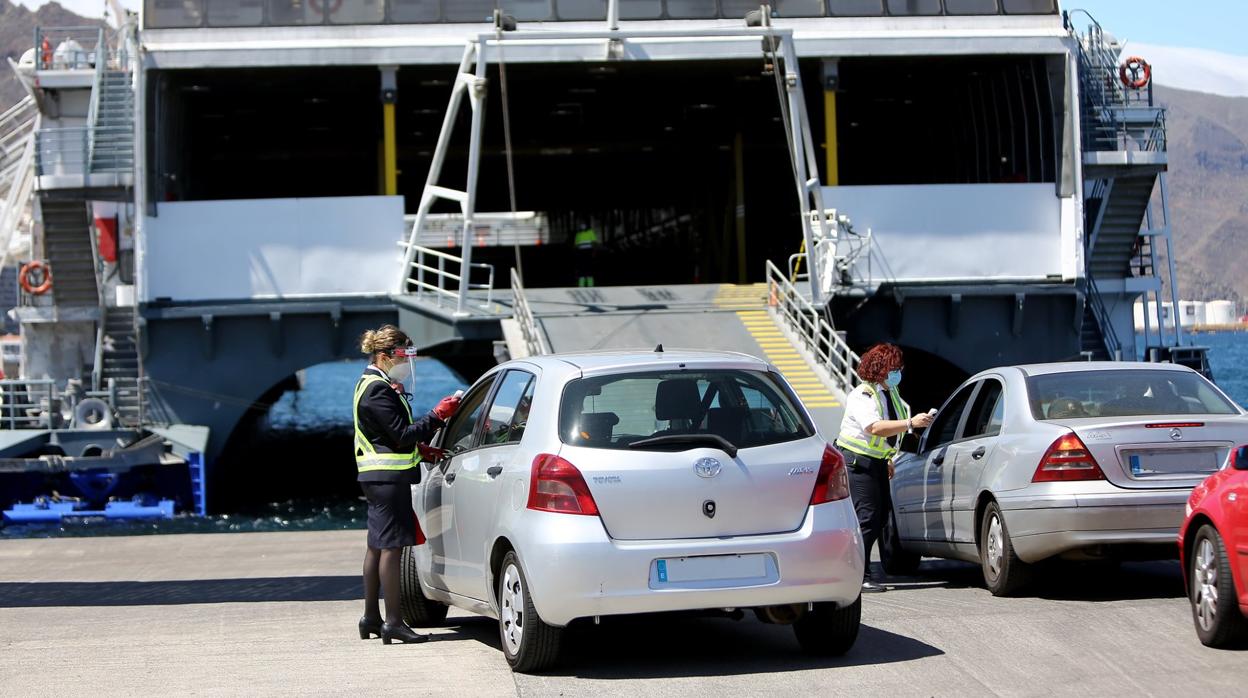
point(368, 457)
point(873, 446)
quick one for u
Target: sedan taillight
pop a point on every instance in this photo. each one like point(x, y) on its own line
point(832, 484)
point(1068, 459)
point(556, 485)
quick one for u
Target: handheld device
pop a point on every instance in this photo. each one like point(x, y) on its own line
point(460, 393)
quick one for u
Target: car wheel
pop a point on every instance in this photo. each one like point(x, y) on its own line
point(418, 610)
point(829, 631)
point(1214, 608)
point(1004, 573)
point(896, 559)
point(529, 644)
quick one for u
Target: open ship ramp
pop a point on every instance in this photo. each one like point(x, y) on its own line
point(750, 319)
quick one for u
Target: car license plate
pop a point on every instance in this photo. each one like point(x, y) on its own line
point(705, 568)
point(1171, 461)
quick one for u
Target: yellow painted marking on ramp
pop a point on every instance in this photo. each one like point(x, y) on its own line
point(777, 348)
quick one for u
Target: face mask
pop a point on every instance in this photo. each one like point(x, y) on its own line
point(894, 379)
point(400, 371)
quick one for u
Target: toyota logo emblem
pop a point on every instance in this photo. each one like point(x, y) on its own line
point(707, 467)
point(1176, 434)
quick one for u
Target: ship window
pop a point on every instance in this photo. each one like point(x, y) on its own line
point(971, 7)
point(584, 9)
point(172, 13)
point(641, 9)
point(532, 10)
point(234, 13)
point(414, 11)
point(691, 9)
point(469, 10)
point(353, 11)
point(856, 8)
point(288, 12)
point(783, 8)
point(1029, 7)
point(913, 7)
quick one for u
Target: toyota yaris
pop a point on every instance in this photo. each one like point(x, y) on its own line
point(579, 486)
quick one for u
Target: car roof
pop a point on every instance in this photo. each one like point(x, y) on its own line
point(605, 361)
point(1074, 366)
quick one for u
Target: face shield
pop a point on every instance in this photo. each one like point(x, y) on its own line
point(404, 368)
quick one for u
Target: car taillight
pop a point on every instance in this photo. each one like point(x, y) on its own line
point(1067, 459)
point(556, 485)
point(832, 484)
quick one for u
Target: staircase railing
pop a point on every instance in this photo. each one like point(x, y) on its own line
point(801, 316)
point(534, 339)
point(433, 277)
point(1114, 116)
point(1110, 336)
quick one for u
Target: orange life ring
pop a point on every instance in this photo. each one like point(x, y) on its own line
point(45, 52)
point(1140, 72)
point(29, 268)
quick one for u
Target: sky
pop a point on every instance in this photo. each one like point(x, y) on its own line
point(1198, 44)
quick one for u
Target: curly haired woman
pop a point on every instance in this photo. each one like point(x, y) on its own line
point(875, 418)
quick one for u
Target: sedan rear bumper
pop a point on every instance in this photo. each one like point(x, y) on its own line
point(1084, 521)
point(576, 571)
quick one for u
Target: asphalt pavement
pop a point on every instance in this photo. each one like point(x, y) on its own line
point(275, 614)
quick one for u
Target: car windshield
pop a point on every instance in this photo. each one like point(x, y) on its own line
point(1123, 393)
point(746, 408)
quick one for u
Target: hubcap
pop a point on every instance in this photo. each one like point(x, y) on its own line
point(511, 610)
point(995, 545)
point(1205, 584)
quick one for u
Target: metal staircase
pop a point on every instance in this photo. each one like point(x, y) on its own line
point(118, 359)
point(67, 248)
point(1124, 161)
point(112, 143)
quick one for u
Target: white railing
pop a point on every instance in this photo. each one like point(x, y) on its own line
point(534, 338)
point(804, 319)
point(439, 274)
point(29, 404)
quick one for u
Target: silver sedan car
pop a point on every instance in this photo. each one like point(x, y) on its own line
point(1078, 460)
point(587, 485)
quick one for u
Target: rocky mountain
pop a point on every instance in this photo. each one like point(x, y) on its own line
point(1208, 180)
point(17, 34)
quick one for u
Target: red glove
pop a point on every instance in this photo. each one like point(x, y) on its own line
point(430, 454)
point(445, 409)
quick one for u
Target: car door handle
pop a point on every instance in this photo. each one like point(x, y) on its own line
point(978, 453)
point(450, 477)
point(494, 470)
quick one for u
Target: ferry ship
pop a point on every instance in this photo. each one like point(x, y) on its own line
point(229, 191)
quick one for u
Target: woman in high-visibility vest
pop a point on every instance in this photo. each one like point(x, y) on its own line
point(875, 419)
point(387, 458)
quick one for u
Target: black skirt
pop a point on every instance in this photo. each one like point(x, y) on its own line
point(391, 520)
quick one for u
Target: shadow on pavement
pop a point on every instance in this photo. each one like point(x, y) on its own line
point(668, 645)
point(171, 593)
point(1060, 580)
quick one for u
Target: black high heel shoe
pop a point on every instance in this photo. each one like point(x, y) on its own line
point(400, 633)
point(369, 627)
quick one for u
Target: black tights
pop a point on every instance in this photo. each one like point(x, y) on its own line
point(381, 573)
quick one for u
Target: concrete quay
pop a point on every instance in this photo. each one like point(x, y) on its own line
point(275, 614)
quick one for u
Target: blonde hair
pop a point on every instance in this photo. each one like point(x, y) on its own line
point(383, 339)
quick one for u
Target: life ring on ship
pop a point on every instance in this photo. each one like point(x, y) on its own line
point(45, 53)
point(1135, 73)
point(28, 270)
point(325, 7)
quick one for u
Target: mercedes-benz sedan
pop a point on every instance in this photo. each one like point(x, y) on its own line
point(579, 486)
point(1079, 460)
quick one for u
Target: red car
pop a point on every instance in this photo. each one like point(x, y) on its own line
point(1213, 543)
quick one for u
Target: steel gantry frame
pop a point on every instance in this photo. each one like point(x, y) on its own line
point(470, 81)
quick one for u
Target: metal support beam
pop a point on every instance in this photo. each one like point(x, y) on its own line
point(389, 148)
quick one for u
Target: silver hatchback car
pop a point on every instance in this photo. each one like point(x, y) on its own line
point(1082, 460)
point(579, 486)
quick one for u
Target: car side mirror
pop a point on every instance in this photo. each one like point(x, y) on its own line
point(1241, 458)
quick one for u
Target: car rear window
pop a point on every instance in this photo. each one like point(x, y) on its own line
point(748, 408)
point(1123, 393)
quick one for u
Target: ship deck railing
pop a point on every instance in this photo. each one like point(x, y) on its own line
point(440, 276)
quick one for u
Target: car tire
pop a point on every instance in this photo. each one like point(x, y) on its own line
point(419, 611)
point(1215, 610)
point(1004, 573)
point(895, 558)
point(529, 644)
point(828, 631)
